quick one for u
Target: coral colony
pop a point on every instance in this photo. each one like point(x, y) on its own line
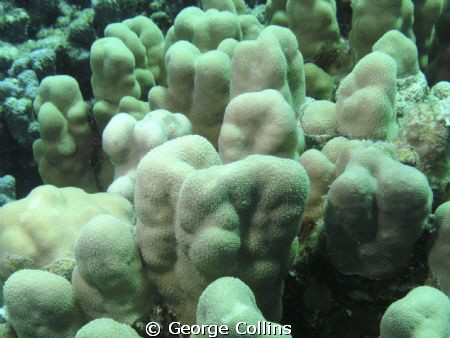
point(224, 168)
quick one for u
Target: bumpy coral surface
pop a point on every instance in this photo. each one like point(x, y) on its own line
point(217, 161)
point(40, 240)
point(423, 312)
point(231, 302)
point(375, 212)
point(46, 300)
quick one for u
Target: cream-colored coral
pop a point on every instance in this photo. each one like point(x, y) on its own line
point(42, 227)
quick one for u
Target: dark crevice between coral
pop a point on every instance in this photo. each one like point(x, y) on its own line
point(320, 302)
point(18, 162)
point(96, 152)
point(344, 17)
point(161, 314)
point(68, 65)
point(42, 13)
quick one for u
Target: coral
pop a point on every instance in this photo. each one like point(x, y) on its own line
point(319, 84)
point(333, 148)
point(232, 200)
point(228, 301)
point(81, 32)
point(411, 91)
point(6, 330)
point(426, 16)
point(237, 232)
point(40, 60)
point(375, 212)
point(216, 229)
point(42, 13)
point(126, 141)
point(62, 267)
point(272, 61)
point(204, 29)
point(198, 85)
point(321, 173)
point(7, 189)
point(314, 24)
point(146, 41)
point(113, 77)
point(402, 50)
point(46, 301)
point(365, 99)
point(107, 11)
point(423, 312)
point(424, 134)
point(18, 115)
point(201, 85)
point(233, 6)
point(44, 239)
point(440, 250)
point(8, 53)
point(259, 123)
point(276, 12)
point(18, 129)
point(18, 94)
point(106, 328)
point(14, 20)
point(318, 120)
point(371, 19)
point(250, 26)
point(109, 278)
point(166, 167)
point(66, 148)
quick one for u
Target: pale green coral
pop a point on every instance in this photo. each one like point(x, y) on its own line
point(106, 328)
point(228, 301)
point(109, 279)
point(375, 212)
point(64, 151)
point(422, 313)
point(40, 304)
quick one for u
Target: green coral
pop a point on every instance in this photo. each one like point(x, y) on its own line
point(106, 328)
point(47, 301)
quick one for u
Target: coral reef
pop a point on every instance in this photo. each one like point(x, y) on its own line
point(283, 164)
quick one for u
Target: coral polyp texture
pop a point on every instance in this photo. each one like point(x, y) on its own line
point(259, 123)
point(423, 312)
point(440, 252)
point(373, 18)
point(231, 302)
point(365, 99)
point(46, 299)
point(108, 278)
point(244, 226)
point(277, 167)
point(375, 212)
point(65, 150)
point(126, 141)
point(28, 240)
